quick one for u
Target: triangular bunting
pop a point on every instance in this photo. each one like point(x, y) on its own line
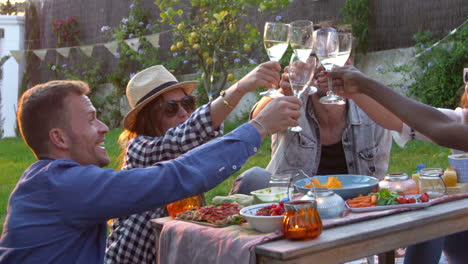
point(41, 53)
point(153, 39)
point(87, 50)
point(112, 47)
point(133, 43)
point(65, 52)
point(18, 55)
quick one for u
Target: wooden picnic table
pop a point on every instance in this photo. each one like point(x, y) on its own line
point(374, 236)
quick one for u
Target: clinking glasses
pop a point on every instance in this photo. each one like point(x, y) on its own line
point(171, 107)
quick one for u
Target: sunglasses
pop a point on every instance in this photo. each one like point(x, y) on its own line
point(171, 107)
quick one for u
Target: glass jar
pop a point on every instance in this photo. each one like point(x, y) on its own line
point(329, 204)
point(399, 182)
point(301, 220)
point(184, 205)
point(280, 180)
point(450, 177)
point(431, 182)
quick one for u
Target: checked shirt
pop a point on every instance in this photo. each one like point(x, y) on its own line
point(132, 239)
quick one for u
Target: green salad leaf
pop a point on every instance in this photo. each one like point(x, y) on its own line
point(386, 197)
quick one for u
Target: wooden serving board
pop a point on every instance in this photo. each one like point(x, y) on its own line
point(203, 223)
point(462, 187)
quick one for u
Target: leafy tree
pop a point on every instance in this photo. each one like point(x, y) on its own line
point(211, 34)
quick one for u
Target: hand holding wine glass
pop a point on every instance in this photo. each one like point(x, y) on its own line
point(275, 39)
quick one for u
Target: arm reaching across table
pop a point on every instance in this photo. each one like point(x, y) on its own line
point(424, 118)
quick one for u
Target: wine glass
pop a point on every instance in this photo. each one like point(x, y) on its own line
point(301, 73)
point(301, 37)
point(327, 46)
point(275, 39)
point(345, 43)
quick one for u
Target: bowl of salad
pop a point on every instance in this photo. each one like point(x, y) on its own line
point(265, 217)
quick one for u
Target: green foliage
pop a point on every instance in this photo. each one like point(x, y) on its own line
point(210, 34)
point(435, 77)
point(7, 8)
point(357, 13)
point(135, 25)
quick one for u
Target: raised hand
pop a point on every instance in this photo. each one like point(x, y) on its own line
point(264, 75)
point(279, 114)
point(347, 80)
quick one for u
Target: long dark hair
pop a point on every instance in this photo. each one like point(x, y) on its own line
point(147, 123)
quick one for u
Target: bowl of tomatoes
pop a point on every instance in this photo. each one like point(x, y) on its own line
point(265, 217)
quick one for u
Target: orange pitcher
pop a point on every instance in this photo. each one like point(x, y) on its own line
point(301, 220)
point(184, 205)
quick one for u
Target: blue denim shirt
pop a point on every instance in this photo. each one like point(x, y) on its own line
point(58, 211)
point(366, 145)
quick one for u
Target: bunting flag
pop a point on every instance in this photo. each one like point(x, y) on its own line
point(65, 52)
point(41, 53)
point(18, 55)
point(153, 39)
point(112, 47)
point(87, 50)
point(133, 43)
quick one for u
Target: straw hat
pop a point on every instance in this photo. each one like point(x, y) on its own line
point(148, 84)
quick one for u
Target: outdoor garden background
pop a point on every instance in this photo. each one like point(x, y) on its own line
point(105, 42)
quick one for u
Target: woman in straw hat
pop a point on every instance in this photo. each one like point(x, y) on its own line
point(163, 124)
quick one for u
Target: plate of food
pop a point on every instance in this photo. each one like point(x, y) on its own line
point(214, 216)
point(385, 199)
point(345, 185)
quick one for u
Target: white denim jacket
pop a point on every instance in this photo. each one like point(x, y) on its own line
point(366, 145)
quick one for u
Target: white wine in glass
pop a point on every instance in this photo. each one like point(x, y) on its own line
point(275, 39)
point(301, 74)
point(301, 37)
point(275, 49)
point(345, 43)
point(327, 47)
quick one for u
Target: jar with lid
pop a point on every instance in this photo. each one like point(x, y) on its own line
point(301, 220)
point(329, 204)
point(399, 182)
point(431, 182)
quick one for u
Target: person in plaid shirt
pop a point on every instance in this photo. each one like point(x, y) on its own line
point(162, 125)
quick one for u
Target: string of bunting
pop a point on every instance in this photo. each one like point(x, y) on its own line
point(438, 42)
point(112, 47)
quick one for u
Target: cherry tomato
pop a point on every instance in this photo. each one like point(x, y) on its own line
point(401, 200)
point(424, 197)
point(410, 200)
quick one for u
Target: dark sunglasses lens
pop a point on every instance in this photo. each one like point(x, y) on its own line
point(188, 103)
point(171, 108)
point(466, 77)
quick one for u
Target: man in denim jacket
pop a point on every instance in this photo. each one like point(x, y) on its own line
point(335, 139)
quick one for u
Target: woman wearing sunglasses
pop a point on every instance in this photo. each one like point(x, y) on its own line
point(163, 124)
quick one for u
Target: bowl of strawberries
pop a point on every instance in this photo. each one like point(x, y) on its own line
point(265, 217)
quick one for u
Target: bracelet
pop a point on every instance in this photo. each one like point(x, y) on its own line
point(222, 94)
point(260, 124)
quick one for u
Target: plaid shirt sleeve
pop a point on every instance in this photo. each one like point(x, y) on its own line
point(132, 238)
point(143, 151)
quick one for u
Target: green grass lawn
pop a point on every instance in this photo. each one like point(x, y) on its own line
point(15, 157)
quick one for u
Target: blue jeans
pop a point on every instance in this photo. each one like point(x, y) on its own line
point(427, 252)
point(455, 249)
